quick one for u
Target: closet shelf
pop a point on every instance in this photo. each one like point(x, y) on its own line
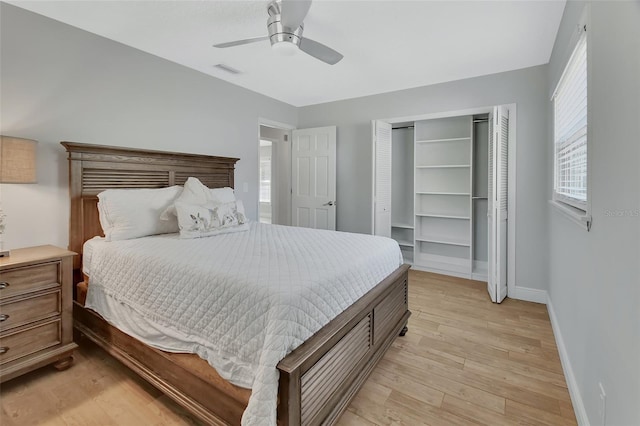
point(443, 193)
point(402, 225)
point(448, 166)
point(442, 140)
point(444, 216)
point(444, 240)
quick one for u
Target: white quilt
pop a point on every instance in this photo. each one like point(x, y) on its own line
point(241, 301)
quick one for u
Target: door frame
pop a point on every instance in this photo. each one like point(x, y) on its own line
point(511, 193)
point(267, 122)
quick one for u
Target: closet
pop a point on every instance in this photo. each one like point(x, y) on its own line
point(440, 190)
point(402, 198)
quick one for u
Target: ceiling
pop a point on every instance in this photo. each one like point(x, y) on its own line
point(387, 45)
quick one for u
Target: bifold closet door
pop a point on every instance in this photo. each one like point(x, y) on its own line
point(498, 203)
point(381, 132)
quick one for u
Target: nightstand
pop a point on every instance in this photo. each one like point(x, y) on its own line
point(36, 314)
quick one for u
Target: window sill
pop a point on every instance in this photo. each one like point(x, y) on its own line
point(577, 216)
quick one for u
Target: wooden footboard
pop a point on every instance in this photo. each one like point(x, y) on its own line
point(317, 380)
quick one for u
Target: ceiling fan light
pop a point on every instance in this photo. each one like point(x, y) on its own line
point(284, 48)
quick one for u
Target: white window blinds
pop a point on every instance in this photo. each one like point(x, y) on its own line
point(570, 130)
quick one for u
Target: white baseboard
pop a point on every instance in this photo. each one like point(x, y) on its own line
point(441, 271)
point(479, 277)
point(529, 294)
point(574, 392)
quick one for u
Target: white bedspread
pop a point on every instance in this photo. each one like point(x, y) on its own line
point(241, 301)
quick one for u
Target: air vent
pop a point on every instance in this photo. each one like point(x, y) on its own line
point(228, 69)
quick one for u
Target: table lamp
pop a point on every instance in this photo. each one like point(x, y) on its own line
point(17, 165)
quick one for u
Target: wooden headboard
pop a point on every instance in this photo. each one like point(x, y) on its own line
point(94, 168)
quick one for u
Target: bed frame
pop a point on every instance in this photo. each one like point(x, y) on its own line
point(317, 380)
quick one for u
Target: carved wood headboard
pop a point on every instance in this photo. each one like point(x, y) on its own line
point(94, 168)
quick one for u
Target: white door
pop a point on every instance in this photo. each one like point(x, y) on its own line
point(313, 178)
point(498, 203)
point(381, 132)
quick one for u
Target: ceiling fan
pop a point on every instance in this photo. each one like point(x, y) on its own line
point(285, 28)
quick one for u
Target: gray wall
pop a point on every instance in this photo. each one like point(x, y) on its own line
point(527, 88)
point(402, 210)
point(61, 83)
point(594, 285)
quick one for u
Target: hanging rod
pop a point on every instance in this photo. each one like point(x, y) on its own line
point(405, 127)
point(481, 120)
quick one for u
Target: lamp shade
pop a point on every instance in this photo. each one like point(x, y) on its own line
point(17, 160)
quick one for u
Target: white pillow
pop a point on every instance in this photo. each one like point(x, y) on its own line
point(135, 213)
point(195, 192)
point(205, 220)
point(223, 195)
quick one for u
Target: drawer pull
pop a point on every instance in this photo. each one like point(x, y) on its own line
point(4, 317)
point(4, 350)
point(3, 285)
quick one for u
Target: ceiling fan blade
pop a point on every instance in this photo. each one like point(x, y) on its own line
point(293, 12)
point(240, 42)
point(320, 51)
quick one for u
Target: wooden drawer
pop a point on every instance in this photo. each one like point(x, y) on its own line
point(31, 309)
point(29, 340)
point(29, 278)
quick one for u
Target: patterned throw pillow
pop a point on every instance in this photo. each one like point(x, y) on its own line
point(209, 219)
point(195, 192)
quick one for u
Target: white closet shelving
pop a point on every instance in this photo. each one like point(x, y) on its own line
point(443, 178)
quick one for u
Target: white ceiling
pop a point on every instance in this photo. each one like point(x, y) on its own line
point(387, 45)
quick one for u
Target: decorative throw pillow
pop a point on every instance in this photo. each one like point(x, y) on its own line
point(135, 213)
point(209, 219)
point(195, 192)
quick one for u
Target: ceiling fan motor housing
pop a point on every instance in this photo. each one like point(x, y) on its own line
point(278, 33)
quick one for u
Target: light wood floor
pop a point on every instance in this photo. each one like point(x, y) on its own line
point(463, 361)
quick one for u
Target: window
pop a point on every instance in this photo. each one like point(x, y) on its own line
point(265, 171)
point(570, 130)
point(265, 179)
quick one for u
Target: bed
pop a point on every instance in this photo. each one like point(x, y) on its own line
point(316, 381)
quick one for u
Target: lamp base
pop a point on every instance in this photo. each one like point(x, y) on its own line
point(4, 253)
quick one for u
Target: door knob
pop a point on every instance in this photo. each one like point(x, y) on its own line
point(330, 203)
